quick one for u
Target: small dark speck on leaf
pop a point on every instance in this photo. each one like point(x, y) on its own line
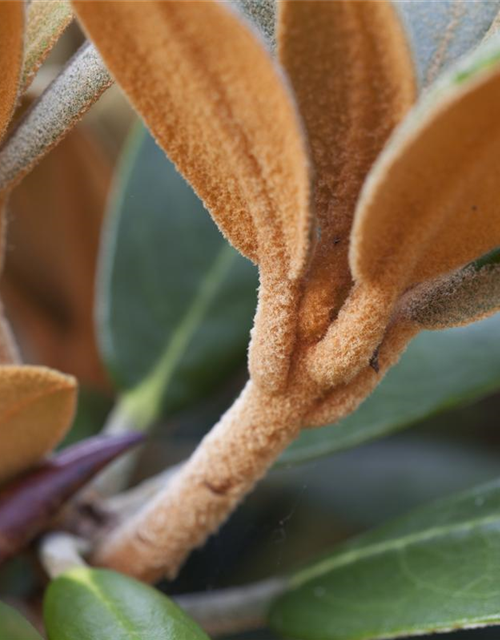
point(374, 364)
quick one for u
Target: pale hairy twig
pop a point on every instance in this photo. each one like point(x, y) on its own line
point(60, 552)
point(232, 610)
point(58, 109)
point(126, 504)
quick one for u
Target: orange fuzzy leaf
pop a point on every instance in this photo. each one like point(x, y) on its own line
point(430, 204)
point(36, 409)
point(353, 78)
point(11, 57)
point(212, 97)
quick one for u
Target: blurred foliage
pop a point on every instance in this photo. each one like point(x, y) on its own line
point(55, 220)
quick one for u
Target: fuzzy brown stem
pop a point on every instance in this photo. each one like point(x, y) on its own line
point(345, 399)
point(352, 339)
point(225, 467)
point(274, 331)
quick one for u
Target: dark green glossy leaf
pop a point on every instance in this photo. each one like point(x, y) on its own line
point(96, 604)
point(14, 627)
point(175, 301)
point(436, 569)
point(440, 32)
point(440, 370)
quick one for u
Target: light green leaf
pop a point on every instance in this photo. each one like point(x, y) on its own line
point(439, 371)
point(436, 569)
point(175, 302)
point(96, 604)
point(14, 627)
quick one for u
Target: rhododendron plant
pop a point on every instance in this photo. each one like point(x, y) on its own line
point(359, 173)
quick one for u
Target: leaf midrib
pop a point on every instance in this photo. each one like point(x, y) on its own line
point(343, 559)
point(143, 400)
point(102, 596)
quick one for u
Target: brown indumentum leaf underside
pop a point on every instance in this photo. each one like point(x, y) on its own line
point(28, 505)
point(218, 105)
point(214, 100)
point(353, 77)
point(36, 410)
point(430, 173)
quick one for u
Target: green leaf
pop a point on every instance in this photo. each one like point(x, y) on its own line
point(14, 627)
point(91, 412)
point(436, 569)
point(175, 302)
point(441, 32)
point(439, 371)
point(96, 604)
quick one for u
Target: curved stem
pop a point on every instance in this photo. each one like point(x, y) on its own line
point(125, 505)
point(225, 467)
point(345, 399)
point(353, 338)
point(60, 552)
point(275, 330)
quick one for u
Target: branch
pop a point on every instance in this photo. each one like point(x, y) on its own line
point(60, 552)
point(232, 610)
point(59, 108)
point(225, 467)
point(127, 504)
